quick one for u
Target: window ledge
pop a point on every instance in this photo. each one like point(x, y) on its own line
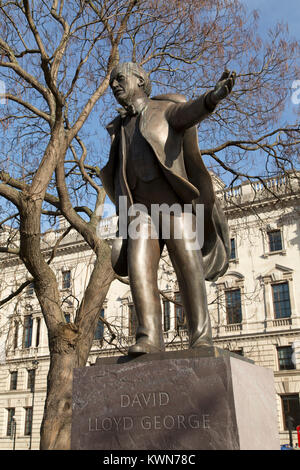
point(234, 327)
point(270, 253)
point(284, 372)
point(282, 321)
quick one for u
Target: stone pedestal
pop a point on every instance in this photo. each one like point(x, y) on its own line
point(200, 399)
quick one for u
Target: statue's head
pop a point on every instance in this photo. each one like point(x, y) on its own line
point(128, 80)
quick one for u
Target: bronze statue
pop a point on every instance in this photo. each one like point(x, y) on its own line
point(155, 159)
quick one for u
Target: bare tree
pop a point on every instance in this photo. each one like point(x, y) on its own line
point(55, 59)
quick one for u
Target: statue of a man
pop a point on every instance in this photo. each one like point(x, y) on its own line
point(155, 159)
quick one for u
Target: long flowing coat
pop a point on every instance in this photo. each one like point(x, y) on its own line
point(168, 125)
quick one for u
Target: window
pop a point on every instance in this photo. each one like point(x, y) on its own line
point(38, 329)
point(31, 379)
point(275, 241)
point(100, 327)
point(67, 317)
point(13, 380)
point(166, 311)
point(291, 409)
point(30, 290)
point(233, 306)
point(27, 338)
point(281, 300)
point(179, 313)
point(285, 358)
point(16, 334)
point(66, 279)
point(239, 352)
point(28, 421)
point(232, 249)
point(132, 320)
point(10, 415)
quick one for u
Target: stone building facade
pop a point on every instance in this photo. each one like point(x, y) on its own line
point(254, 308)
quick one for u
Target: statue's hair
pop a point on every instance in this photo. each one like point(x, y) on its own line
point(137, 70)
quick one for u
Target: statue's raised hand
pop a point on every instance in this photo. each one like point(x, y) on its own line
point(224, 86)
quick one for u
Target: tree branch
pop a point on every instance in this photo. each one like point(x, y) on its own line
point(29, 106)
point(9, 193)
point(11, 251)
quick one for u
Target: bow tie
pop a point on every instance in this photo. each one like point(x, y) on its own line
point(128, 111)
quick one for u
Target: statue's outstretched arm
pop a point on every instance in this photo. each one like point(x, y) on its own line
point(181, 116)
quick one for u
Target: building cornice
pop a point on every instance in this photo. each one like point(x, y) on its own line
point(248, 206)
point(70, 248)
point(255, 335)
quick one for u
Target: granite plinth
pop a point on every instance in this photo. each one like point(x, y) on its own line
point(201, 399)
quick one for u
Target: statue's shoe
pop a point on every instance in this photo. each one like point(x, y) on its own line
point(199, 343)
point(143, 347)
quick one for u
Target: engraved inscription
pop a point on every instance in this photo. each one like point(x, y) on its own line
point(175, 422)
point(147, 422)
point(115, 423)
point(145, 400)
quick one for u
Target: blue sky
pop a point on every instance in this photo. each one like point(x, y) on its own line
point(272, 11)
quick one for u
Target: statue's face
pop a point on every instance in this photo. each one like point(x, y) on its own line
point(125, 85)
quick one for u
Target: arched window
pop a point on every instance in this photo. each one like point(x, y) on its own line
point(180, 317)
point(166, 313)
point(27, 336)
point(99, 333)
point(233, 306)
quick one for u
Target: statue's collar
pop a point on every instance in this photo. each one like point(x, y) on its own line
point(133, 109)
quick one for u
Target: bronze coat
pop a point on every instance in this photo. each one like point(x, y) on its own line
point(180, 160)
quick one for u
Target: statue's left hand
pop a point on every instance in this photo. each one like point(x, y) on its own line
point(224, 86)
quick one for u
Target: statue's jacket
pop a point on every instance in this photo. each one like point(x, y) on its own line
point(168, 123)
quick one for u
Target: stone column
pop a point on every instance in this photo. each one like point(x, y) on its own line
point(296, 354)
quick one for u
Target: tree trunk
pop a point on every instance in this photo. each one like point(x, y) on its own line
point(69, 348)
point(56, 424)
point(69, 344)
